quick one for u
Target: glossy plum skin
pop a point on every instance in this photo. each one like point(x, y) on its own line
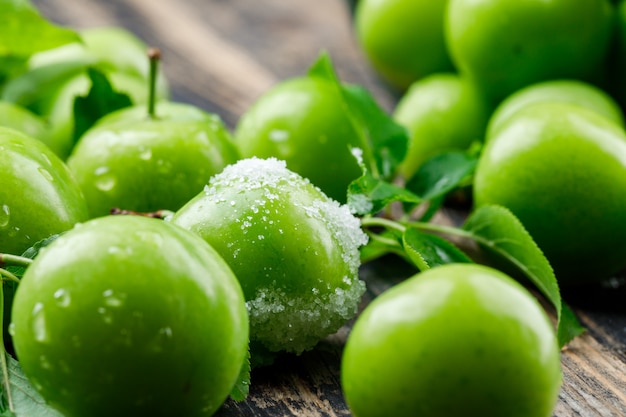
point(442, 112)
point(563, 90)
point(518, 43)
point(39, 196)
point(134, 162)
point(561, 169)
point(304, 122)
point(403, 39)
point(455, 340)
point(128, 316)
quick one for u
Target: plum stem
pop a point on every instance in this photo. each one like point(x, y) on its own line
point(3, 358)
point(154, 55)
point(15, 260)
point(8, 275)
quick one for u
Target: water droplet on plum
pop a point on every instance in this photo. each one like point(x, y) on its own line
point(46, 174)
point(105, 180)
point(40, 330)
point(5, 216)
point(62, 297)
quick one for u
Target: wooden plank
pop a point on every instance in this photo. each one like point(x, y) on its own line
point(221, 55)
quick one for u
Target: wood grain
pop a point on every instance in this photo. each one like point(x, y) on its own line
point(221, 55)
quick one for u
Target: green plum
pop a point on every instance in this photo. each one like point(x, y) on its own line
point(441, 112)
point(114, 51)
point(304, 121)
point(20, 118)
point(505, 45)
point(39, 197)
point(403, 39)
point(133, 161)
point(455, 340)
point(565, 90)
point(130, 316)
point(294, 250)
point(561, 169)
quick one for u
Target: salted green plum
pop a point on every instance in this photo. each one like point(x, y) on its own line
point(294, 250)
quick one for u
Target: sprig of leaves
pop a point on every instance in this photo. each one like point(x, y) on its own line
point(494, 229)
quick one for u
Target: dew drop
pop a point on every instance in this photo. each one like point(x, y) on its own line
point(46, 159)
point(112, 299)
point(107, 318)
point(163, 336)
point(46, 174)
point(11, 329)
point(44, 363)
point(5, 216)
point(278, 135)
point(145, 153)
point(39, 323)
point(105, 180)
point(164, 166)
point(150, 237)
point(62, 297)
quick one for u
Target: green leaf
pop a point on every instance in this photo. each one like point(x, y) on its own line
point(383, 141)
point(23, 31)
point(31, 253)
point(241, 389)
point(101, 100)
point(369, 195)
point(441, 174)
point(569, 326)
point(496, 229)
point(26, 400)
point(387, 139)
point(380, 244)
point(428, 251)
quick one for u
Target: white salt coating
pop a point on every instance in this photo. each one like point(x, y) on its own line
point(288, 322)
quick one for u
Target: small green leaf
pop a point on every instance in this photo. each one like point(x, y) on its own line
point(31, 253)
point(383, 141)
point(26, 400)
point(369, 195)
point(387, 139)
point(428, 251)
point(101, 100)
point(241, 389)
point(569, 326)
point(23, 31)
point(441, 174)
point(499, 231)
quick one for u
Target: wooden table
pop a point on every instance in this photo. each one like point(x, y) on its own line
point(221, 55)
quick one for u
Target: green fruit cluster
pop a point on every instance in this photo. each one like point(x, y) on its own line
point(257, 247)
point(552, 165)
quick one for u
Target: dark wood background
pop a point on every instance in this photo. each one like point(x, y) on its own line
point(221, 55)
